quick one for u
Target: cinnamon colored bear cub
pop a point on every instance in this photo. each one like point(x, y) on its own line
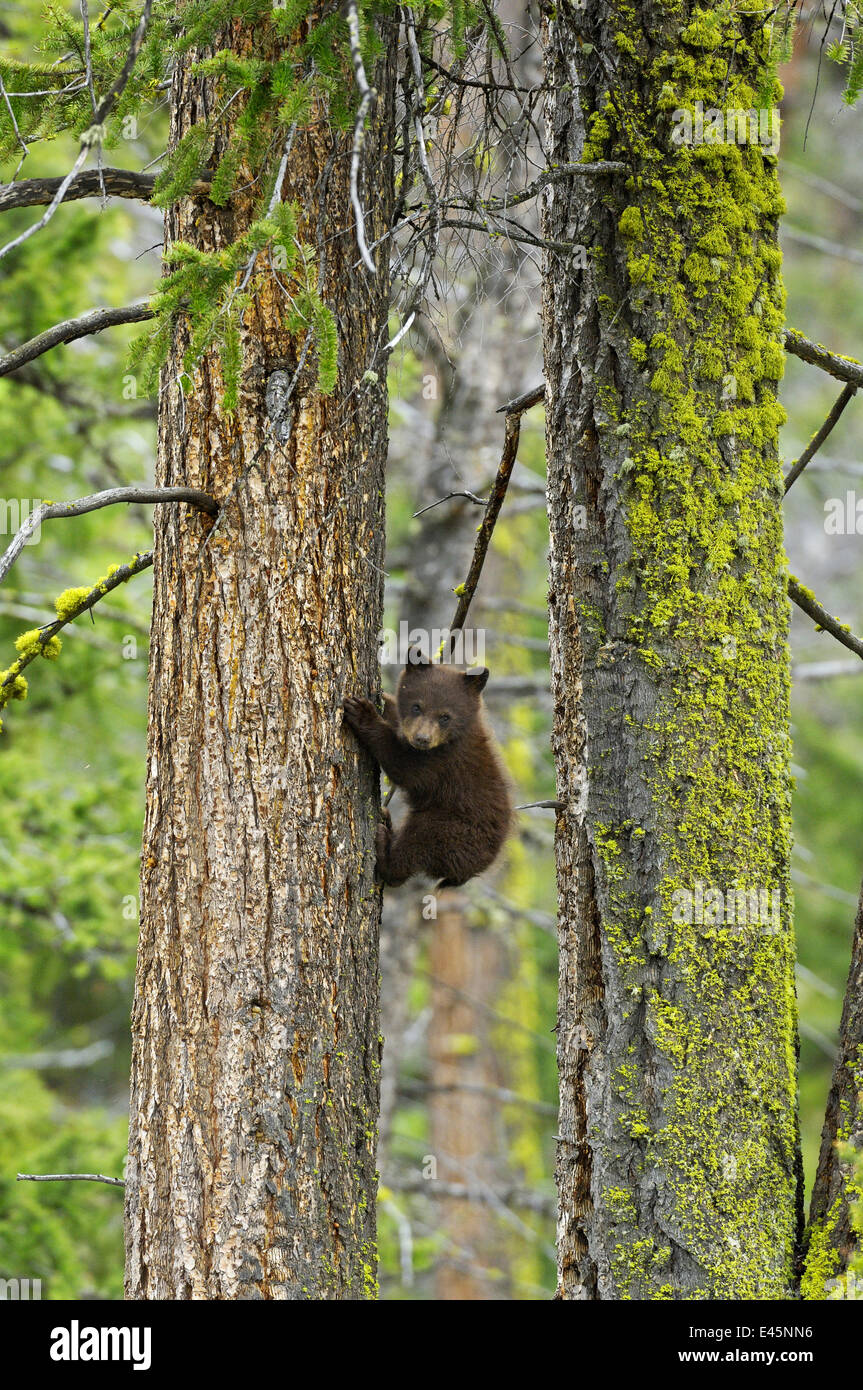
point(434, 743)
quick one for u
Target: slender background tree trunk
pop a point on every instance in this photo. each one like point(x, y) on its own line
point(833, 1237)
point(256, 1051)
point(678, 1166)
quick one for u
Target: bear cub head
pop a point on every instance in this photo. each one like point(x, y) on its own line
point(437, 704)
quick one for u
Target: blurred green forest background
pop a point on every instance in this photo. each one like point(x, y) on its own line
point(72, 756)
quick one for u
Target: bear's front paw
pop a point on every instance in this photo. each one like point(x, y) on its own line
point(360, 714)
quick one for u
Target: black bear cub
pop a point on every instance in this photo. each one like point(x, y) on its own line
point(434, 743)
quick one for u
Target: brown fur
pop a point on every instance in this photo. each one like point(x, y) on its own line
point(433, 742)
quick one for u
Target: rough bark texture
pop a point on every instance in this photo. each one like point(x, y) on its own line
point(833, 1238)
point(678, 1167)
point(256, 1050)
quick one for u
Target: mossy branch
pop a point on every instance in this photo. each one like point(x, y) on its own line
point(806, 600)
point(51, 510)
point(67, 332)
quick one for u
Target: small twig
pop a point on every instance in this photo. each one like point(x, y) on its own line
point(544, 805)
point(471, 496)
point(67, 332)
point(524, 401)
point(543, 180)
point(88, 67)
point(48, 511)
point(806, 600)
point(495, 87)
point(109, 101)
point(11, 111)
point(513, 231)
point(368, 97)
point(818, 439)
point(822, 244)
point(70, 1177)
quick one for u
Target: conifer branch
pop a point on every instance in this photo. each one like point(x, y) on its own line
point(94, 321)
point(70, 1177)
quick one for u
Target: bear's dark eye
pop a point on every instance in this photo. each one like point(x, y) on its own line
point(416, 709)
point(444, 719)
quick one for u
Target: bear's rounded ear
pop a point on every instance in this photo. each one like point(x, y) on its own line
point(476, 678)
point(416, 658)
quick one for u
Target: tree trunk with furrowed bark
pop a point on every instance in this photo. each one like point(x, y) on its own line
point(255, 1076)
point(678, 1162)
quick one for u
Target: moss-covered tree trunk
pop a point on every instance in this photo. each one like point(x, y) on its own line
point(256, 1050)
point(678, 1165)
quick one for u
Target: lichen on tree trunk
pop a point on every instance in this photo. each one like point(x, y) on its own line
point(678, 1164)
point(255, 1075)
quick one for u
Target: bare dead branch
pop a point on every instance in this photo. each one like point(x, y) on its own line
point(512, 230)
point(70, 1177)
point(492, 511)
point(49, 511)
point(94, 321)
point(523, 402)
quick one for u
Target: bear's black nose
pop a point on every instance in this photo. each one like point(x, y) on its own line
point(421, 740)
